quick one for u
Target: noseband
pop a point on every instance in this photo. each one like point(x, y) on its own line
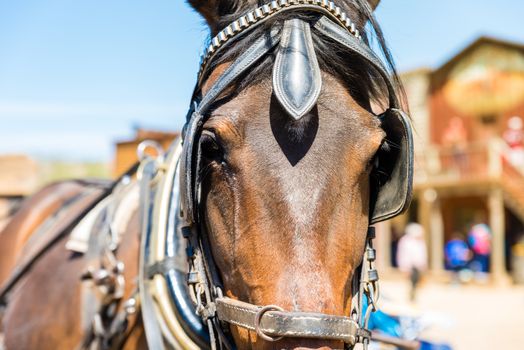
point(296, 84)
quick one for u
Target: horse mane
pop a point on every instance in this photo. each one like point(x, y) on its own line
point(362, 81)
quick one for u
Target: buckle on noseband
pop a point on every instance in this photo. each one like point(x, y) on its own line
point(258, 318)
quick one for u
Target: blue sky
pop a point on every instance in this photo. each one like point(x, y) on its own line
point(77, 75)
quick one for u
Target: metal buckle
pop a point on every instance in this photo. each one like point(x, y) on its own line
point(258, 317)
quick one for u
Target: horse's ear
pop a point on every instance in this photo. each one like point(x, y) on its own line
point(213, 10)
point(208, 9)
point(373, 4)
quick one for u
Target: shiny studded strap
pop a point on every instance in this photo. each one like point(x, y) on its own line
point(256, 17)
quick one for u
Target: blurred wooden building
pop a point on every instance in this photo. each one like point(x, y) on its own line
point(463, 169)
point(126, 151)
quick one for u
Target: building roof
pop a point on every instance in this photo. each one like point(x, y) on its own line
point(145, 134)
point(483, 40)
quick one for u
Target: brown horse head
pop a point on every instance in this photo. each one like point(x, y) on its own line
point(287, 201)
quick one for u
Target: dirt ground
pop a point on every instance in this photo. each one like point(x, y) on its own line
point(464, 316)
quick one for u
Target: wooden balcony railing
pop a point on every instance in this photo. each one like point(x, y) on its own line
point(481, 161)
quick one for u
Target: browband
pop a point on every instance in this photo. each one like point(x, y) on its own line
point(261, 15)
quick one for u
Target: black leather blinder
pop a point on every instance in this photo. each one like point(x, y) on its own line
point(189, 163)
point(392, 180)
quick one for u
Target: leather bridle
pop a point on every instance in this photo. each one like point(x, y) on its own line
point(391, 198)
point(173, 209)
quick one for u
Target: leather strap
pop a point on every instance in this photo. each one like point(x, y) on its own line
point(256, 18)
point(288, 324)
point(332, 30)
point(77, 209)
point(254, 53)
point(152, 328)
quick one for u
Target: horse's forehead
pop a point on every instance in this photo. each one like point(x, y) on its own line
point(250, 108)
point(255, 126)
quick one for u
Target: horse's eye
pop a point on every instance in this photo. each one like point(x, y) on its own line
point(379, 164)
point(210, 147)
point(374, 161)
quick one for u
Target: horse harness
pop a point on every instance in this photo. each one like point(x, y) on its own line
point(297, 90)
point(179, 291)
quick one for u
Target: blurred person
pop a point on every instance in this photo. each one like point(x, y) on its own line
point(479, 239)
point(412, 256)
point(457, 254)
point(396, 234)
point(517, 259)
point(455, 137)
point(514, 137)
